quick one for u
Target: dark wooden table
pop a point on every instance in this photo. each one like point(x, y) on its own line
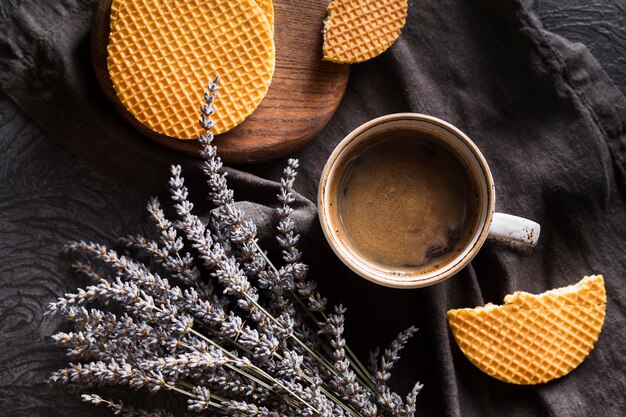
point(30, 194)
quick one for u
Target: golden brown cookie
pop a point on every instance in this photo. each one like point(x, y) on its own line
point(266, 5)
point(533, 339)
point(268, 8)
point(357, 30)
point(115, 9)
point(161, 53)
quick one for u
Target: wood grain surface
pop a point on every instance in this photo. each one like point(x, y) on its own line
point(42, 184)
point(304, 93)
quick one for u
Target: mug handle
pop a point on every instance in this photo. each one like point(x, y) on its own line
point(513, 229)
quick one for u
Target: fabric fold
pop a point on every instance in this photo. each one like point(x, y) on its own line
point(547, 118)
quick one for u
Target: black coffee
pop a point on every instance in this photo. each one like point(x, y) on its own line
point(407, 203)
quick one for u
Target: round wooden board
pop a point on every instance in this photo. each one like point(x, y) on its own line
point(304, 94)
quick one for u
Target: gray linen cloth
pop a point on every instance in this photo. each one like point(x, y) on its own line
point(550, 123)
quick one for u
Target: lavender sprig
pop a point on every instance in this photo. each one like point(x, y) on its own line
point(201, 311)
point(383, 372)
point(119, 408)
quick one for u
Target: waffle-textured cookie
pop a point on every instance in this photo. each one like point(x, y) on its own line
point(162, 52)
point(115, 9)
point(357, 30)
point(266, 5)
point(268, 8)
point(533, 339)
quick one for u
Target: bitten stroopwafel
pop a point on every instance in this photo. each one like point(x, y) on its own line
point(533, 339)
point(161, 53)
point(355, 30)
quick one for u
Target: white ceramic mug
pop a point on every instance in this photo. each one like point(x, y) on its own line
point(490, 224)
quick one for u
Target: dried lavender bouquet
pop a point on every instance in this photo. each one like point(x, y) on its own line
point(202, 312)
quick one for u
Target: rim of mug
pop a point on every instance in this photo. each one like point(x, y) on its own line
point(389, 279)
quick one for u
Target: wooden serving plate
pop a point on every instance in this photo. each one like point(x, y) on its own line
point(304, 93)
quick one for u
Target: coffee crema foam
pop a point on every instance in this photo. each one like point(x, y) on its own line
point(406, 204)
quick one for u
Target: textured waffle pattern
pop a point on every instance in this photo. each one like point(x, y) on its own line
point(115, 9)
point(266, 5)
point(357, 30)
point(268, 9)
point(589, 291)
point(161, 54)
point(533, 339)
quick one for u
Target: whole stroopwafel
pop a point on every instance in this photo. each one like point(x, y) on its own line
point(115, 9)
point(161, 53)
point(356, 30)
point(268, 8)
point(266, 5)
point(533, 339)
